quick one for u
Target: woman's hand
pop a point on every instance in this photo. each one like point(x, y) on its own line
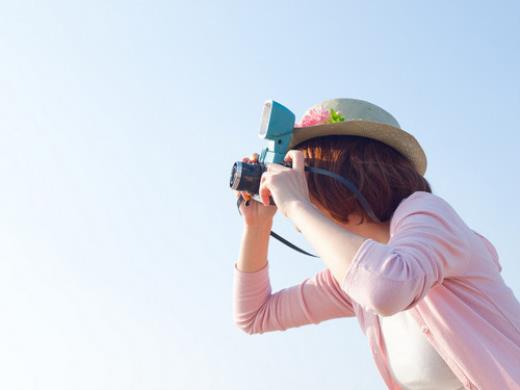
point(287, 186)
point(255, 214)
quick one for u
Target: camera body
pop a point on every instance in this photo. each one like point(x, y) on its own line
point(277, 129)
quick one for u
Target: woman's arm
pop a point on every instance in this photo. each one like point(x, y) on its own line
point(288, 187)
point(257, 310)
point(253, 248)
point(429, 242)
point(335, 245)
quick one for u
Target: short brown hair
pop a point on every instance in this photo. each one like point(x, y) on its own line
point(383, 175)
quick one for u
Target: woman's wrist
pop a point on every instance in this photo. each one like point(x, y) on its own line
point(259, 227)
point(297, 206)
point(254, 247)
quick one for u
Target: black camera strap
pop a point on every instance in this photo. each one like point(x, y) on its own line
point(347, 183)
point(277, 236)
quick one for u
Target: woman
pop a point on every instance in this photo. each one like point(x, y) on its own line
point(419, 271)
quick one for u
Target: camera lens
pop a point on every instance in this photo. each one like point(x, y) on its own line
point(236, 172)
point(246, 177)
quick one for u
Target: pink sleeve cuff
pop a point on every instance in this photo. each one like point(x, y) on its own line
point(251, 291)
point(252, 280)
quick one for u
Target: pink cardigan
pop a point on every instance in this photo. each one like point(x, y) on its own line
point(436, 266)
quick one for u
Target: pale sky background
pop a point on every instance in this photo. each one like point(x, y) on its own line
point(119, 124)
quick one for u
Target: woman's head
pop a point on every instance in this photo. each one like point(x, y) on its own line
point(382, 174)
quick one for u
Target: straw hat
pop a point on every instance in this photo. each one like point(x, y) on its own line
point(361, 118)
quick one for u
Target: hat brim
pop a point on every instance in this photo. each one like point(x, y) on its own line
point(403, 142)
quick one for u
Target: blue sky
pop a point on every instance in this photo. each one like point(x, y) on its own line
point(119, 124)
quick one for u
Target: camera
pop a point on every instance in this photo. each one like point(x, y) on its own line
point(245, 177)
point(276, 128)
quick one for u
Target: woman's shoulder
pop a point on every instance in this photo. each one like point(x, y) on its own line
point(422, 201)
point(426, 208)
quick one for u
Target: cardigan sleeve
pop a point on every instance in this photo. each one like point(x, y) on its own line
point(428, 243)
point(257, 310)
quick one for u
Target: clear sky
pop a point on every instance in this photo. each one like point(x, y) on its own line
point(119, 124)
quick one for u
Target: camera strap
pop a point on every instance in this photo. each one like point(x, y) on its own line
point(347, 183)
point(275, 235)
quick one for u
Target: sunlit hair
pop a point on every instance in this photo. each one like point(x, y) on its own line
point(383, 175)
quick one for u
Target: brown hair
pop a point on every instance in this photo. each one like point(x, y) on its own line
point(383, 175)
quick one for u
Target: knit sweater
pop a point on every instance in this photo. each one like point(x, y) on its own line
point(445, 274)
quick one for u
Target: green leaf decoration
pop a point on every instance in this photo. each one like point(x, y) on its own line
point(335, 116)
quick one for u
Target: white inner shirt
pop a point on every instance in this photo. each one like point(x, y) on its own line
point(414, 363)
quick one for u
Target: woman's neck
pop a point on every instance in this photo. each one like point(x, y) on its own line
point(377, 231)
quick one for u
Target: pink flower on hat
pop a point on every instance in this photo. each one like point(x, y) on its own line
point(319, 116)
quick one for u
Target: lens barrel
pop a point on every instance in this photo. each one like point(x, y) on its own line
point(246, 177)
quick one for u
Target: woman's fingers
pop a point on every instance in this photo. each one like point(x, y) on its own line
point(244, 195)
point(263, 191)
point(251, 159)
point(297, 158)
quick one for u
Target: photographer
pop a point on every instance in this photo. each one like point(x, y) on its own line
point(426, 289)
